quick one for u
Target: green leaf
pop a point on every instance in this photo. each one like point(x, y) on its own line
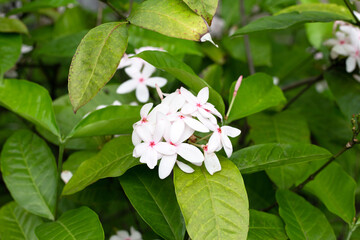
point(78, 224)
point(265, 226)
point(154, 199)
point(212, 75)
point(302, 220)
point(95, 61)
point(183, 72)
point(346, 91)
point(255, 94)
point(32, 102)
point(10, 49)
point(317, 33)
point(263, 156)
point(12, 25)
point(107, 121)
point(204, 8)
point(319, 7)
point(287, 20)
point(214, 207)
point(114, 159)
point(29, 172)
point(172, 18)
point(16, 223)
point(336, 189)
point(74, 160)
point(39, 4)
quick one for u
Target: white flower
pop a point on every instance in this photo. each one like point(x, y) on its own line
point(211, 161)
point(140, 80)
point(220, 138)
point(115, 103)
point(207, 37)
point(217, 27)
point(66, 175)
point(124, 235)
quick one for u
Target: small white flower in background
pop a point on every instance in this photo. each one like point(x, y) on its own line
point(26, 49)
point(217, 27)
point(321, 86)
point(168, 131)
point(356, 77)
point(207, 37)
point(66, 175)
point(140, 73)
point(276, 80)
point(115, 103)
point(124, 235)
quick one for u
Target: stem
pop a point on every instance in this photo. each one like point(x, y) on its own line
point(246, 40)
point(59, 163)
point(195, 144)
point(352, 12)
point(297, 96)
point(203, 138)
point(99, 14)
point(302, 82)
point(114, 9)
point(230, 107)
point(60, 158)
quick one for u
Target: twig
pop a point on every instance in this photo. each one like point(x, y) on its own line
point(122, 17)
point(99, 14)
point(246, 40)
point(352, 12)
point(291, 101)
point(302, 82)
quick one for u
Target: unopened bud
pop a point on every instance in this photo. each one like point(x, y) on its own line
point(193, 138)
point(159, 92)
point(237, 85)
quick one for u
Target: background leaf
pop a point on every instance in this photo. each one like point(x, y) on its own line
point(204, 8)
point(16, 223)
point(214, 207)
point(30, 174)
point(39, 4)
point(12, 25)
point(255, 94)
point(114, 159)
point(28, 95)
point(154, 199)
point(169, 17)
point(95, 61)
point(10, 49)
point(318, 7)
point(77, 224)
point(302, 220)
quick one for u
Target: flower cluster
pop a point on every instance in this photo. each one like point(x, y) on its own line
point(140, 73)
point(346, 44)
point(168, 131)
point(124, 235)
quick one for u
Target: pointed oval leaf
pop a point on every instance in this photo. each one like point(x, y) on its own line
point(214, 206)
point(39, 4)
point(263, 156)
point(16, 223)
point(12, 25)
point(73, 162)
point(77, 224)
point(114, 159)
point(107, 121)
point(319, 7)
point(336, 189)
point(265, 226)
point(204, 8)
point(169, 17)
point(95, 61)
point(255, 94)
point(29, 172)
point(154, 199)
point(302, 220)
point(32, 102)
point(183, 72)
point(10, 49)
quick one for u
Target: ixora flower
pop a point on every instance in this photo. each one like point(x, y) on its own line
point(124, 235)
point(140, 73)
point(169, 131)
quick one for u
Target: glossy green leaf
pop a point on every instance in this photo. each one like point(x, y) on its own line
point(73, 162)
point(95, 61)
point(318, 7)
point(255, 94)
point(29, 171)
point(17, 224)
point(169, 17)
point(39, 4)
point(265, 226)
point(10, 49)
point(214, 206)
point(287, 20)
point(346, 91)
point(317, 33)
point(336, 189)
point(302, 220)
point(107, 121)
point(204, 8)
point(263, 156)
point(183, 72)
point(32, 102)
point(12, 25)
point(154, 199)
point(114, 159)
point(78, 224)
point(212, 75)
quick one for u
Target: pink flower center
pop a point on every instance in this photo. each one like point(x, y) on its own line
point(205, 147)
point(207, 110)
point(127, 238)
point(198, 105)
point(357, 53)
point(171, 143)
point(181, 116)
point(219, 130)
point(342, 42)
point(179, 91)
point(152, 144)
point(144, 120)
point(141, 80)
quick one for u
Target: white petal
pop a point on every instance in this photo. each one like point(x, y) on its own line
point(165, 148)
point(145, 109)
point(212, 163)
point(340, 49)
point(156, 80)
point(148, 70)
point(127, 86)
point(188, 95)
point(114, 237)
point(122, 234)
point(213, 110)
point(133, 72)
point(188, 108)
point(176, 130)
point(116, 103)
point(135, 138)
point(230, 131)
point(176, 103)
point(140, 149)
point(207, 122)
point(166, 165)
point(350, 64)
point(135, 235)
point(195, 124)
point(214, 142)
point(101, 107)
point(226, 144)
point(142, 93)
point(190, 153)
point(144, 132)
point(149, 157)
point(203, 95)
point(184, 167)
point(207, 37)
point(66, 175)
point(187, 133)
